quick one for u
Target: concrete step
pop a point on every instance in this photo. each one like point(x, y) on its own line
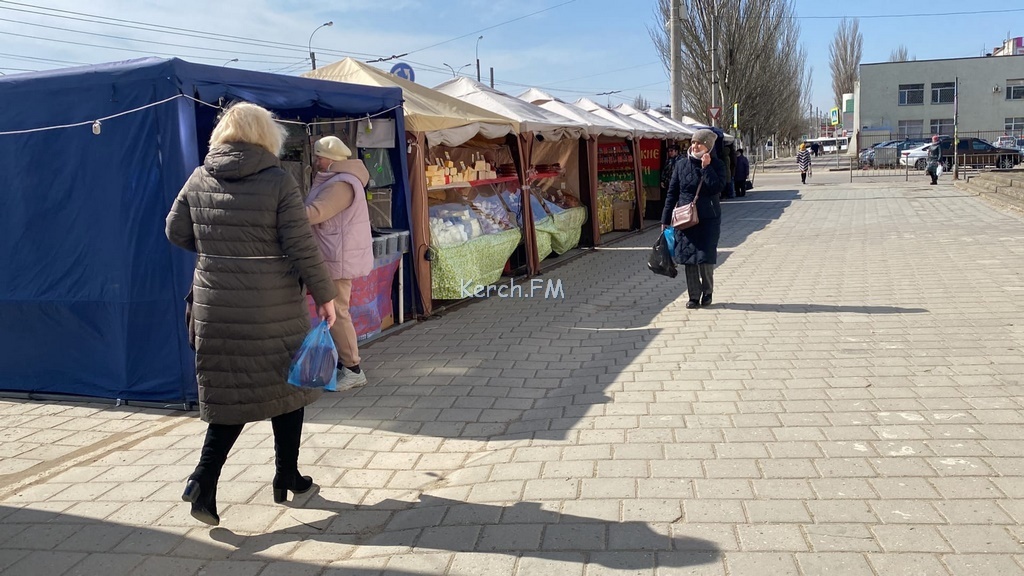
point(1007, 196)
point(1004, 178)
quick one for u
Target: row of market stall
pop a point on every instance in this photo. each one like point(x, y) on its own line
point(504, 184)
point(467, 184)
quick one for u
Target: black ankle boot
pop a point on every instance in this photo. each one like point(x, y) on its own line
point(204, 501)
point(705, 300)
point(295, 482)
point(692, 304)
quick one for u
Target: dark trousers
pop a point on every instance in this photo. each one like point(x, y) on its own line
point(221, 437)
point(700, 280)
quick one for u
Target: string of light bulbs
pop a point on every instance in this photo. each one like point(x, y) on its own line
point(97, 124)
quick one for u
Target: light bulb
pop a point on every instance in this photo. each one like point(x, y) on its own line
point(96, 127)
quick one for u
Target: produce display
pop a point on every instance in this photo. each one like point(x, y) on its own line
point(454, 223)
point(616, 182)
point(479, 261)
point(445, 172)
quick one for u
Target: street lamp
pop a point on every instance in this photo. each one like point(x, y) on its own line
point(230, 61)
point(478, 57)
point(312, 57)
point(454, 73)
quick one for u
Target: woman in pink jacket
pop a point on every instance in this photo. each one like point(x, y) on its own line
point(337, 210)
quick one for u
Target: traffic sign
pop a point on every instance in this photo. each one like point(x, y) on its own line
point(834, 116)
point(403, 70)
point(715, 111)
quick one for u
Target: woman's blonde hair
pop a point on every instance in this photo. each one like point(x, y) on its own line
point(251, 124)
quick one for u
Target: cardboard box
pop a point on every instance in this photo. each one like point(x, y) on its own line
point(387, 321)
point(622, 216)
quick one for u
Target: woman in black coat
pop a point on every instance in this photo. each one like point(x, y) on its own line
point(697, 247)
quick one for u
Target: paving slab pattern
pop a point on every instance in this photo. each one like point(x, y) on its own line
point(850, 404)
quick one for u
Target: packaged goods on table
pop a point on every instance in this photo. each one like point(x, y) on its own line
point(477, 261)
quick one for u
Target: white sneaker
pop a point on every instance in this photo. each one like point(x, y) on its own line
point(348, 379)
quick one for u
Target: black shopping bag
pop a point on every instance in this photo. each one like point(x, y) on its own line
point(660, 260)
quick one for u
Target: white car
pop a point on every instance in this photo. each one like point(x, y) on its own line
point(915, 156)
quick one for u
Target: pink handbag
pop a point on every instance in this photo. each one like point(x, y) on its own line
point(685, 216)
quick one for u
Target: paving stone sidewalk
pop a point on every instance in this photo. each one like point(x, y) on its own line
point(850, 404)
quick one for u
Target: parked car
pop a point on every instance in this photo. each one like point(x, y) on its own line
point(1005, 142)
point(889, 155)
point(973, 152)
point(867, 155)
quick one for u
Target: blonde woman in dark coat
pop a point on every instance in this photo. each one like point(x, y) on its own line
point(243, 215)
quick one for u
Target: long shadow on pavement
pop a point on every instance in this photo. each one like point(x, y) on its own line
point(522, 529)
point(819, 308)
point(44, 542)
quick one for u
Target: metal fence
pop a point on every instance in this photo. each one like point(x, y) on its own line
point(896, 155)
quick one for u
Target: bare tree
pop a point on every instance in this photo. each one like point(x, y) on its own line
point(845, 53)
point(641, 103)
point(760, 64)
point(900, 54)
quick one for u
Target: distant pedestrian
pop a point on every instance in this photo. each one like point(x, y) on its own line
point(243, 216)
point(742, 173)
point(934, 160)
point(803, 160)
point(670, 166)
point(730, 169)
point(815, 147)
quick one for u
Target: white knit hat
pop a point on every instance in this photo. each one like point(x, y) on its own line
point(332, 148)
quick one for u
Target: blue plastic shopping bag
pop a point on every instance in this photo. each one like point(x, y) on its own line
point(670, 239)
point(315, 364)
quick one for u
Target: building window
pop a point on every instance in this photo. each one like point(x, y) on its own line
point(911, 94)
point(1014, 125)
point(1015, 89)
point(943, 92)
point(942, 127)
point(911, 128)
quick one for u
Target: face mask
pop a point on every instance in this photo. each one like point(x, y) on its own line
point(696, 156)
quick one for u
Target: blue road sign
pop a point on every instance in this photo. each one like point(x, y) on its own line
point(403, 70)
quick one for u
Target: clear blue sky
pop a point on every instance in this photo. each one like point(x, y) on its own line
point(573, 49)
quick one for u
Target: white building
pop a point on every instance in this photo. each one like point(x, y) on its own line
point(915, 98)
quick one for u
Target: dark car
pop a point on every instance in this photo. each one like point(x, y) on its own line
point(974, 152)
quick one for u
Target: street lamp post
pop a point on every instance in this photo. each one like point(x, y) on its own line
point(312, 57)
point(454, 73)
point(478, 57)
point(230, 61)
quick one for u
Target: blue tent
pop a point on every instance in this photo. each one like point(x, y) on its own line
point(91, 292)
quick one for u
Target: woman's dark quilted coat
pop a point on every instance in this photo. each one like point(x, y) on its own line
point(244, 217)
point(698, 244)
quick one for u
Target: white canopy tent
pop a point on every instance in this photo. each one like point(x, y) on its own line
point(639, 116)
point(531, 118)
point(640, 129)
point(683, 129)
point(597, 125)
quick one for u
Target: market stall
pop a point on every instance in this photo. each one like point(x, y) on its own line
point(550, 162)
point(445, 207)
point(619, 178)
point(598, 128)
point(651, 154)
point(103, 317)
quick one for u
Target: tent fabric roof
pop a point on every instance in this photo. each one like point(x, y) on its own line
point(596, 124)
point(531, 118)
point(444, 119)
point(640, 130)
point(687, 130)
point(639, 116)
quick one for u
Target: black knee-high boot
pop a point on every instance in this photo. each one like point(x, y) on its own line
point(693, 289)
point(287, 437)
point(201, 488)
point(707, 283)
